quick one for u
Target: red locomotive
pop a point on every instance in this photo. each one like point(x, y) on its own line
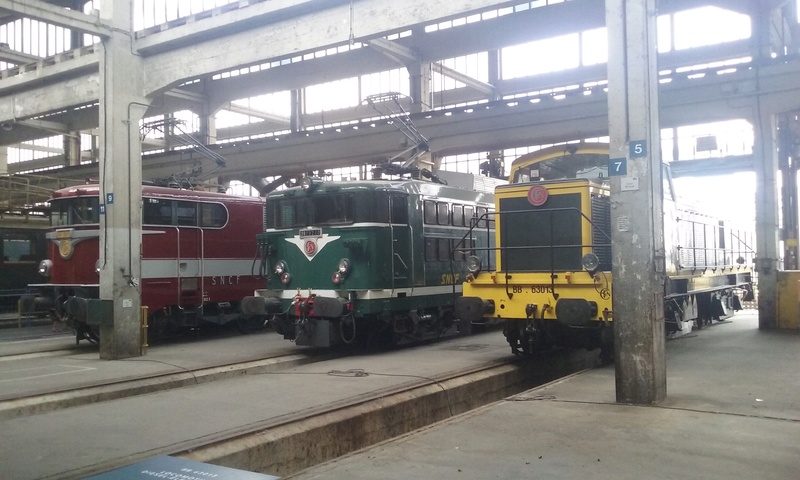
point(198, 251)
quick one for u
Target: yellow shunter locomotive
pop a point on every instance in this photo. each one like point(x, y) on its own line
point(550, 280)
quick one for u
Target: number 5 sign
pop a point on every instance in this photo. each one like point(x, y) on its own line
point(638, 149)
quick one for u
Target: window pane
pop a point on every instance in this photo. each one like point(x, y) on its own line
point(430, 212)
point(469, 212)
point(443, 213)
point(400, 209)
point(187, 213)
point(157, 212)
point(213, 215)
point(458, 215)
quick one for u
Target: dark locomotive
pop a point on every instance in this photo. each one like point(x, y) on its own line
point(368, 262)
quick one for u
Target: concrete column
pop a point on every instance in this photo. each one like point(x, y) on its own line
point(765, 153)
point(419, 75)
point(298, 108)
point(122, 106)
point(3, 160)
point(637, 202)
point(72, 148)
point(494, 67)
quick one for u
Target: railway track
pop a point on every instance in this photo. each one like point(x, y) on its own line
point(288, 444)
point(112, 390)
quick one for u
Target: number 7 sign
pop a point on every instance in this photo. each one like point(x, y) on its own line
point(617, 166)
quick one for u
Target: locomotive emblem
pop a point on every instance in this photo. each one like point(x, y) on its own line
point(537, 195)
point(311, 246)
point(64, 242)
point(65, 248)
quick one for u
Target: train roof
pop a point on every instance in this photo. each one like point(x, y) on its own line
point(595, 182)
point(425, 188)
point(556, 151)
point(93, 189)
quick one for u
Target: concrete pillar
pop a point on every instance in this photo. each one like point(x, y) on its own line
point(419, 75)
point(494, 66)
point(3, 160)
point(72, 148)
point(765, 153)
point(298, 108)
point(207, 117)
point(122, 106)
point(637, 202)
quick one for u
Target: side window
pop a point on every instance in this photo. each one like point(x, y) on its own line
point(458, 215)
point(157, 211)
point(481, 221)
point(430, 212)
point(16, 248)
point(382, 208)
point(399, 209)
point(213, 215)
point(443, 213)
point(469, 212)
point(431, 249)
point(284, 213)
point(187, 214)
point(491, 217)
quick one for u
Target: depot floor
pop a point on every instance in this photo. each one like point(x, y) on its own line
point(732, 412)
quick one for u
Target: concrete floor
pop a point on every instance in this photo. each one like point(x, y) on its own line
point(732, 412)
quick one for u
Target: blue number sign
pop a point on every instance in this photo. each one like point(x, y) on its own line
point(617, 166)
point(638, 148)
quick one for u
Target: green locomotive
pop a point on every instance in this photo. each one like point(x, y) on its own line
point(368, 261)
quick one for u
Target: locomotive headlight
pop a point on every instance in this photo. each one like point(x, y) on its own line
point(473, 264)
point(97, 266)
point(286, 278)
point(590, 262)
point(344, 266)
point(337, 278)
point(280, 267)
point(45, 266)
point(308, 184)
